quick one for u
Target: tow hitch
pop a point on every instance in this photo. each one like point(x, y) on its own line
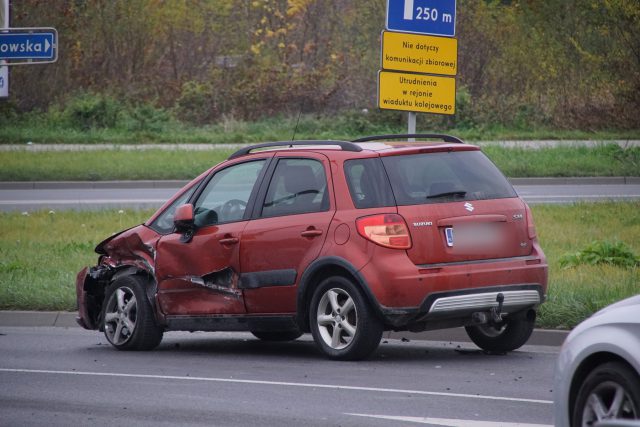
point(496, 312)
point(493, 318)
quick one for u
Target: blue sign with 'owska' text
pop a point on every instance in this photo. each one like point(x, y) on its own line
point(37, 45)
point(435, 17)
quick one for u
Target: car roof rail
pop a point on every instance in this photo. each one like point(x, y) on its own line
point(344, 145)
point(446, 138)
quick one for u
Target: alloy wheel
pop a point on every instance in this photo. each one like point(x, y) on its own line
point(609, 400)
point(120, 316)
point(337, 318)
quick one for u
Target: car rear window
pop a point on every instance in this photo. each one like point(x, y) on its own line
point(445, 177)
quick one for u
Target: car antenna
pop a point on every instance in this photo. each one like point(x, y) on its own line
point(295, 130)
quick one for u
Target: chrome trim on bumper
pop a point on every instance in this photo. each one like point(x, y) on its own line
point(484, 301)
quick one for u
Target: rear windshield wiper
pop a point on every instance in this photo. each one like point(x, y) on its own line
point(446, 194)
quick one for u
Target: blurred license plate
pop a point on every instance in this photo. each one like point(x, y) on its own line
point(472, 235)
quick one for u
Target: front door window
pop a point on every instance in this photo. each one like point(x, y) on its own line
point(226, 196)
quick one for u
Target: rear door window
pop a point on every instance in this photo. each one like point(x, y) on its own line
point(297, 186)
point(445, 177)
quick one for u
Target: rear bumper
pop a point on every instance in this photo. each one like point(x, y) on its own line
point(456, 308)
point(447, 294)
point(516, 298)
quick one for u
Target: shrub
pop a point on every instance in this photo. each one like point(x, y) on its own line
point(195, 104)
point(146, 117)
point(90, 111)
point(599, 252)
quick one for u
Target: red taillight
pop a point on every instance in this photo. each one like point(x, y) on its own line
point(388, 230)
point(531, 228)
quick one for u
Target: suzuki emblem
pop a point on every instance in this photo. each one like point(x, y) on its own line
point(468, 206)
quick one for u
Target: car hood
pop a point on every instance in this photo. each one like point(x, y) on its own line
point(631, 301)
point(100, 248)
point(625, 311)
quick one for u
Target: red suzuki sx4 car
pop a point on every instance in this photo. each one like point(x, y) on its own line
point(341, 239)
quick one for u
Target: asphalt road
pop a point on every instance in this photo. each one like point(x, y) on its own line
point(28, 199)
point(68, 376)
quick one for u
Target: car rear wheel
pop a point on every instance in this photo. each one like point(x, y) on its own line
point(511, 335)
point(610, 391)
point(342, 323)
point(129, 323)
point(277, 335)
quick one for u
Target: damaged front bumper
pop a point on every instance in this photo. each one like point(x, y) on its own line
point(90, 284)
point(83, 318)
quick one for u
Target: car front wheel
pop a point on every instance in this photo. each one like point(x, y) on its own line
point(342, 322)
point(129, 323)
point(610, 392)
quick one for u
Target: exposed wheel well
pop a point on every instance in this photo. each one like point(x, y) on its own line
point(588, 365)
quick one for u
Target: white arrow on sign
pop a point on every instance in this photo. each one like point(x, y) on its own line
point(408, 10)
point(47, 45)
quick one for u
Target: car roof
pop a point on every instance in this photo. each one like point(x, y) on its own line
point(382, 144)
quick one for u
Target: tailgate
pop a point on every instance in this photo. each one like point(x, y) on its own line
point(467, 231)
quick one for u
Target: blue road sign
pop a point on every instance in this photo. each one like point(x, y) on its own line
point(38, 46)
point(435, 17)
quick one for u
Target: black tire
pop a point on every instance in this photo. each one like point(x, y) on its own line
point(603, 382)
point(277, 335)
point(514, 334)
point(356, 326)
point(134, 311)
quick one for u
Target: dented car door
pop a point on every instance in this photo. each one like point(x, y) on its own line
point(198, 271)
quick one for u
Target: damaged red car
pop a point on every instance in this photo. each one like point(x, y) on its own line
point(341, 239)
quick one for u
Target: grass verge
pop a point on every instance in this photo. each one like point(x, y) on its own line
point(577, 292)
point(40, 128)
point(609, 160)
point(106, 165)
point(41, 253)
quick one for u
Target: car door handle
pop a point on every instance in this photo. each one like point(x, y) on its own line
point(311, 233)
point(229, 241)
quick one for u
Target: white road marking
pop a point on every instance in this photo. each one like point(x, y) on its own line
point(280, 383)
point(451, 422)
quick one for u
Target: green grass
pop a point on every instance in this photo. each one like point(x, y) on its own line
point(41, 253)
point(118, 164)
point(41, 128)
point(575, 293)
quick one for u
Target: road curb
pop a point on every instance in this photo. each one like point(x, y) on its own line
point(65, 319)
point(50, 185)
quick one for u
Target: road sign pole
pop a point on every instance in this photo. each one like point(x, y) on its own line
point(411, 125)
point(4, 70)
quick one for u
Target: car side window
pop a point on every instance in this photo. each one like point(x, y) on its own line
point(163, 224)
point(368, 183)
point(226, 196)
point(297, 186)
